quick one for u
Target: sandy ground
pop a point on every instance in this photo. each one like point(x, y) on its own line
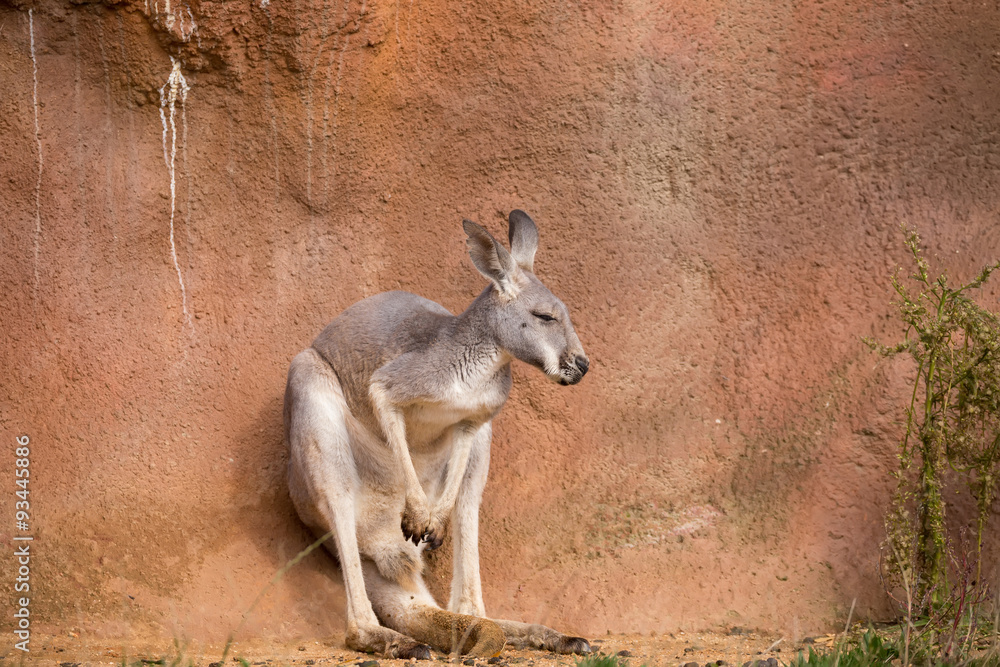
point(735, 648)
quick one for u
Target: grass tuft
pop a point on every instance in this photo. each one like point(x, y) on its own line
point(871, 650)
point(602, 660)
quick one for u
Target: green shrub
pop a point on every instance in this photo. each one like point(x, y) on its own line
point(952, 421)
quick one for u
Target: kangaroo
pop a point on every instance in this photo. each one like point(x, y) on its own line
point(387, 419)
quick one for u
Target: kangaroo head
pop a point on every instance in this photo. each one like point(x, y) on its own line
point(526, 319)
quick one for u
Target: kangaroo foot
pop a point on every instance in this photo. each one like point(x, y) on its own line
point(531, 635)
point(408, 648)
point(571, 645)
point(386, 642)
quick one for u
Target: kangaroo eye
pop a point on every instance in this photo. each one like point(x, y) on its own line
point(544, 318)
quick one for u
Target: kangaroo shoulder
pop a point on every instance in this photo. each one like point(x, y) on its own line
point(380, 328)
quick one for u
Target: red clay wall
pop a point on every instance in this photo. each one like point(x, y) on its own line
point(718, 185)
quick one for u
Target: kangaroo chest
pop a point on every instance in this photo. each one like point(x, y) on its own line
point(470, 404)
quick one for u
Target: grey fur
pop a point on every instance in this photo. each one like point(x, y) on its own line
point(388, 422)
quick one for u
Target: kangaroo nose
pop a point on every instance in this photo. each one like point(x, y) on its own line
point(582, 363)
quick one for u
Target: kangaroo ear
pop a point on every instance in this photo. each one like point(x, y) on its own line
point(492, 259)
point(523, 235)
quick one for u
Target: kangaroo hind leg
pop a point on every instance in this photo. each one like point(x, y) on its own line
point(416, 614)
point(324, 483)
point(466, 588)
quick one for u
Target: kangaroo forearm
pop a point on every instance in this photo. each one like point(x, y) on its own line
point(397, 442)
point(394, 429)
point(457, 465)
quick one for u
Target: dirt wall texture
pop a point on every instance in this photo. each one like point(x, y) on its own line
point(192, 189)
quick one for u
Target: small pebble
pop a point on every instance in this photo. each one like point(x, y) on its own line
point(368, 663)
point(302, 648)
point(215, 664)
point(470, 662)
point(495, 660)
point(310, 662)
point(624, 654)
point(691, 664)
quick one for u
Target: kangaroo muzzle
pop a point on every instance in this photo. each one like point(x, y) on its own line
point(573, 371)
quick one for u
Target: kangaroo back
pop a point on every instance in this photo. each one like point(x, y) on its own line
point(374, 332)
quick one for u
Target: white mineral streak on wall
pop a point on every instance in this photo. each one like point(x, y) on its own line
point(186, 32)
point(173, 91)
point(38, 146)
point(168, 20)
point(171, 16)
point(187, 173)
